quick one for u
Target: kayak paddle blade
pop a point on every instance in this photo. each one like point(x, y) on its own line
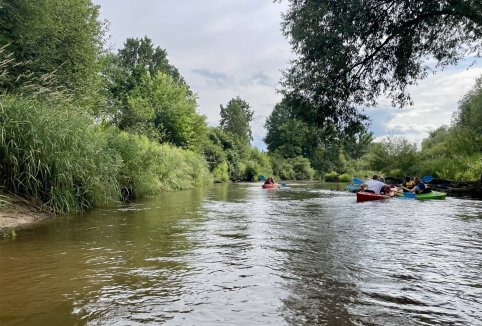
point(357, 181)
point(427, 178)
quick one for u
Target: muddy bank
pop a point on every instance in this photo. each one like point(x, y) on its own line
point(17, 212)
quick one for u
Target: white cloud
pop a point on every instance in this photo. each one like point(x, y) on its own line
point(435, 100)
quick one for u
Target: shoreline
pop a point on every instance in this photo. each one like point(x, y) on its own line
point(16, 212)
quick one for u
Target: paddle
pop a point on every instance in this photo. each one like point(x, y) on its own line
point(283, 185)
point(262, 178)
point(353, 188)
point(409, 194)
point(427, 178)
point(357, 181)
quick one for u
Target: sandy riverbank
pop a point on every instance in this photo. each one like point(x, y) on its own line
point(16, 213)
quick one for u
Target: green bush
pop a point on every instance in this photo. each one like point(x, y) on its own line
point(345, 177)
point(149, 167)
point(220, 173)
point(302, 168)
point(331, 177)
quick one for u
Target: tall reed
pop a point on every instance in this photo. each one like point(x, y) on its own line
point(148, 167)
point(55, 156)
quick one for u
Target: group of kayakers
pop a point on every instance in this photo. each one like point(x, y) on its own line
point(377, 185)
point(269, 181)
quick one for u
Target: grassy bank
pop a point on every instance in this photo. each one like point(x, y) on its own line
point(56, 156)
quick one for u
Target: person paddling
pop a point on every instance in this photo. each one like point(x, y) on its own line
point(419, 188)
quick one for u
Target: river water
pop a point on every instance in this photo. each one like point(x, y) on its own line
point(240, 255)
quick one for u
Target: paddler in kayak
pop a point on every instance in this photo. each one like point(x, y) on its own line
point(374, 185)
point(269, 181)
point(419, 188)
point(408, 184)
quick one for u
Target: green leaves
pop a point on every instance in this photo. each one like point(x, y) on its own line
point(352, 52)
point(236, 117)
point(63, 38)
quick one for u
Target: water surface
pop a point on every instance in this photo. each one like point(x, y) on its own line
point(240, 255)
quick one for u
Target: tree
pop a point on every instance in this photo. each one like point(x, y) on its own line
point(52, 36)
point(126, 70)
point(357, 145)
point(351, 52)
point(469, 112)
point(393, 155)
point(141, 53)
point(163, 109)
point(236, 117)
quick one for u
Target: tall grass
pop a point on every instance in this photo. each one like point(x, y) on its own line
point(58, 157)
point(148, 167)
point(54, 156)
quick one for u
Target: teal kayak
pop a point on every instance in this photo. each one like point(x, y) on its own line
point(432, 195)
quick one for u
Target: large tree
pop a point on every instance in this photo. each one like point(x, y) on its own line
point(165, 110)
point(351, 52)
point(126, 70)
point(142, 53)
point(236, 117)
point(52, 36)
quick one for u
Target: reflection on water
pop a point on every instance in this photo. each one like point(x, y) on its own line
point(241, 255)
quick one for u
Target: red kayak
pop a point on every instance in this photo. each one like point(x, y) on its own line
point(367, 196)
point(269, 185)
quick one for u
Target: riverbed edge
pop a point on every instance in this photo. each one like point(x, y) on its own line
point(16, 212)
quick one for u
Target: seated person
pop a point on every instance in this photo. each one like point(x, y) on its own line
point(374, 185)
point(408, 184)
point(269, 181)
point(419, 188)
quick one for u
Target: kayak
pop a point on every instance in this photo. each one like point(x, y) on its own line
point(431, 195)
point(367, 196)
point(270, 185)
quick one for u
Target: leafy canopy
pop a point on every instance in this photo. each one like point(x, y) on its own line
point(52, 36)
point(236, 117)
point(352, 52)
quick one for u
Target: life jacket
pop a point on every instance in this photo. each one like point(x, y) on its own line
point(423, 189)
point(408, 184)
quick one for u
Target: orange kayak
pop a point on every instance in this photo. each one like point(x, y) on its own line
point(269, 185)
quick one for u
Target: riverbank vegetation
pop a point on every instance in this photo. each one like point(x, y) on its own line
point(81, 126)
point(349, 55)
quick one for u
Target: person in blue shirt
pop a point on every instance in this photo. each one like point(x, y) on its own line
point(419, 188)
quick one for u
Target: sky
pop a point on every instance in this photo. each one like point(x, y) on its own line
point(229, 48)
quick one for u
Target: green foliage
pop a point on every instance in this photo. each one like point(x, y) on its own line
point(469, 113)
point(55, 156)
point(302, 168)
point(140, 53)
point(392, 154)
point(149, 167)
point(331, 177)
point(236, 117)
point(355, 146)
point(345, 177)
point(52, 36)
point(297, 168)
point(220, 172)
point(351, 52)
point(164, 110)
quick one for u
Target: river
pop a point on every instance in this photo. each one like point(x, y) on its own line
point(240, 255)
